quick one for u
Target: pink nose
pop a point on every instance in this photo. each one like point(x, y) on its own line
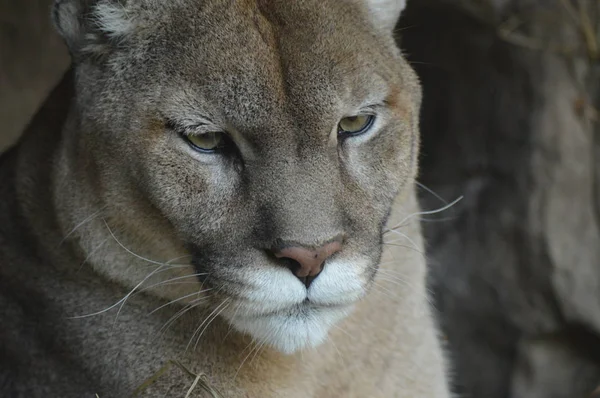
point(308, 262)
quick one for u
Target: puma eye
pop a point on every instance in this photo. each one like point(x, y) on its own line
point(206, 142)
point(355, 125)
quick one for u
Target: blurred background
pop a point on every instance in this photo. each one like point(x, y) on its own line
point(509, 123)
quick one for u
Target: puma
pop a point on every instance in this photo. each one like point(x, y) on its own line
point(227, 186)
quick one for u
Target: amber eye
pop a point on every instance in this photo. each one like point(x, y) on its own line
point(206, 142)
point(354, 125)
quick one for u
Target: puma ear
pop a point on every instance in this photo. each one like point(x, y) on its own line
point(386, 12)
point(91, 26)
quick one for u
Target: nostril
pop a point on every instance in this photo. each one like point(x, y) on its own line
point(306, 263)
point(292, 264)
point(296, 269)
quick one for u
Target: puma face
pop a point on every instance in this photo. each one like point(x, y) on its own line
point(271, 136)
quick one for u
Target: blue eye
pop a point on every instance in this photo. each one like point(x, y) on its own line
point(355, 125)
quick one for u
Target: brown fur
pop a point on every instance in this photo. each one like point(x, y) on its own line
point(101, 198)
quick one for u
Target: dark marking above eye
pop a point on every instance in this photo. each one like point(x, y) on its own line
point(174, 125)
point(397, 103)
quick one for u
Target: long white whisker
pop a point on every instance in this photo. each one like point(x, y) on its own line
point(387, 270)
point(401, 282)
point(343, 331)
point(397, 279)
point(179, 258)
point(248, 346)
point(230, 328)
point(445, 219)
point(88, 219)
point(422, 213)
point(92, 253)
point(392, 274)
point(415, 246)
point(260, 347)
point(193, 304)
point(385, 292)
point(177, 300)
point(338, 352)
point(424, 187)
point(139, 284)
point(133, 290)
point(246, 357)
point(407, 247)
point(209, 322)
point(122, 301)
point(137, 255)
point(203, 322)
point(97, 313)
point(168, 281)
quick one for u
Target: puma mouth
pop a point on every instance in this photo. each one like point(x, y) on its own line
point(305, 309)
point(300, 327)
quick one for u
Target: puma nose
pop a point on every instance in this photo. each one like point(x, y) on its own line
point(306, 262)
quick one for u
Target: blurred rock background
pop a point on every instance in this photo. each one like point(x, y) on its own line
point(509, 123)
point(32, 60)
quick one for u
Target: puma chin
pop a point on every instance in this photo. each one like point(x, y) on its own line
point(267, 140)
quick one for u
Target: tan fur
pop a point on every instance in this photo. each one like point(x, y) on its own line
point(113, 202)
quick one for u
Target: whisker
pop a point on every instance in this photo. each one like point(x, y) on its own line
point(387, 270)
point(193, 386)
point(414, 245)
point(431, 191)
point(203, 322)
point(171, 261)
point(123, 300)
point(401, 282)
point(406, 247)
point(141, 291)
point(343, 331)
point(253, 342)
point(260, 347)
point(137, 255)
point(230, 328)
point(397, 279)
point(88, 219)
point(92, 253)
point(403, 28)
point(422, 213)
point(135, 288)
point(120, 301)
point(385, 292)
point(248, 346)
point(430, 220)
point(209, 322)
point(168, 281)
point(177, 300)
point(338, 352)
point(193, 304)
point(132, 291)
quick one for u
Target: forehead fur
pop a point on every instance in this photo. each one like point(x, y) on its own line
point(127, 18)
point(111, 8)
point(251, 60)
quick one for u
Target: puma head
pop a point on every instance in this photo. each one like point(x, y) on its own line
point(268, 138)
